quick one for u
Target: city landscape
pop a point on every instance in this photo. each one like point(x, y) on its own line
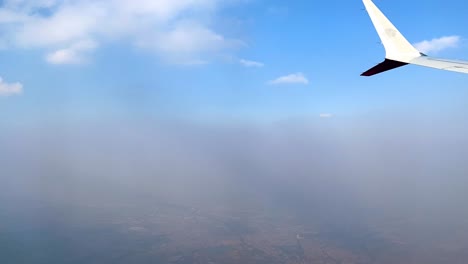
point(168, 233)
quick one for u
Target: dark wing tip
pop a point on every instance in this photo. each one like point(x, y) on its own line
point(383, 67)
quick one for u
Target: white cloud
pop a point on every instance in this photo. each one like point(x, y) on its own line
point(29, 4)
point(9, 89)
point(188, 41)
point(296, 78)
point(177, 30)
point(438, 44)
point(69, 24)
point(326, 115)
point(8, 16)
point(75, 54)
point(251, 64)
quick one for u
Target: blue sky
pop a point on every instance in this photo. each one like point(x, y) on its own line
point(222, 60)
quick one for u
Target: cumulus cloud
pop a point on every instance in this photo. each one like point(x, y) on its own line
point(10, 89)
point(295, 78)
point(75, 54)
point(438, 44)
point(178, 30)
point(251, 64)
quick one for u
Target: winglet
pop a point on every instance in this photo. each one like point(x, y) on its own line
point(397, 48)
point(384, 66)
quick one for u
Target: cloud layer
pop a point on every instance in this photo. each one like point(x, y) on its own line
point(179, 31)
point(347, 173)
point(10, 89)
point(438, 44)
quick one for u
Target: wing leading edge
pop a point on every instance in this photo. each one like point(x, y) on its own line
point(399, 52)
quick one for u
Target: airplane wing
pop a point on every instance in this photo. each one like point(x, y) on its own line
point(399, 52)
